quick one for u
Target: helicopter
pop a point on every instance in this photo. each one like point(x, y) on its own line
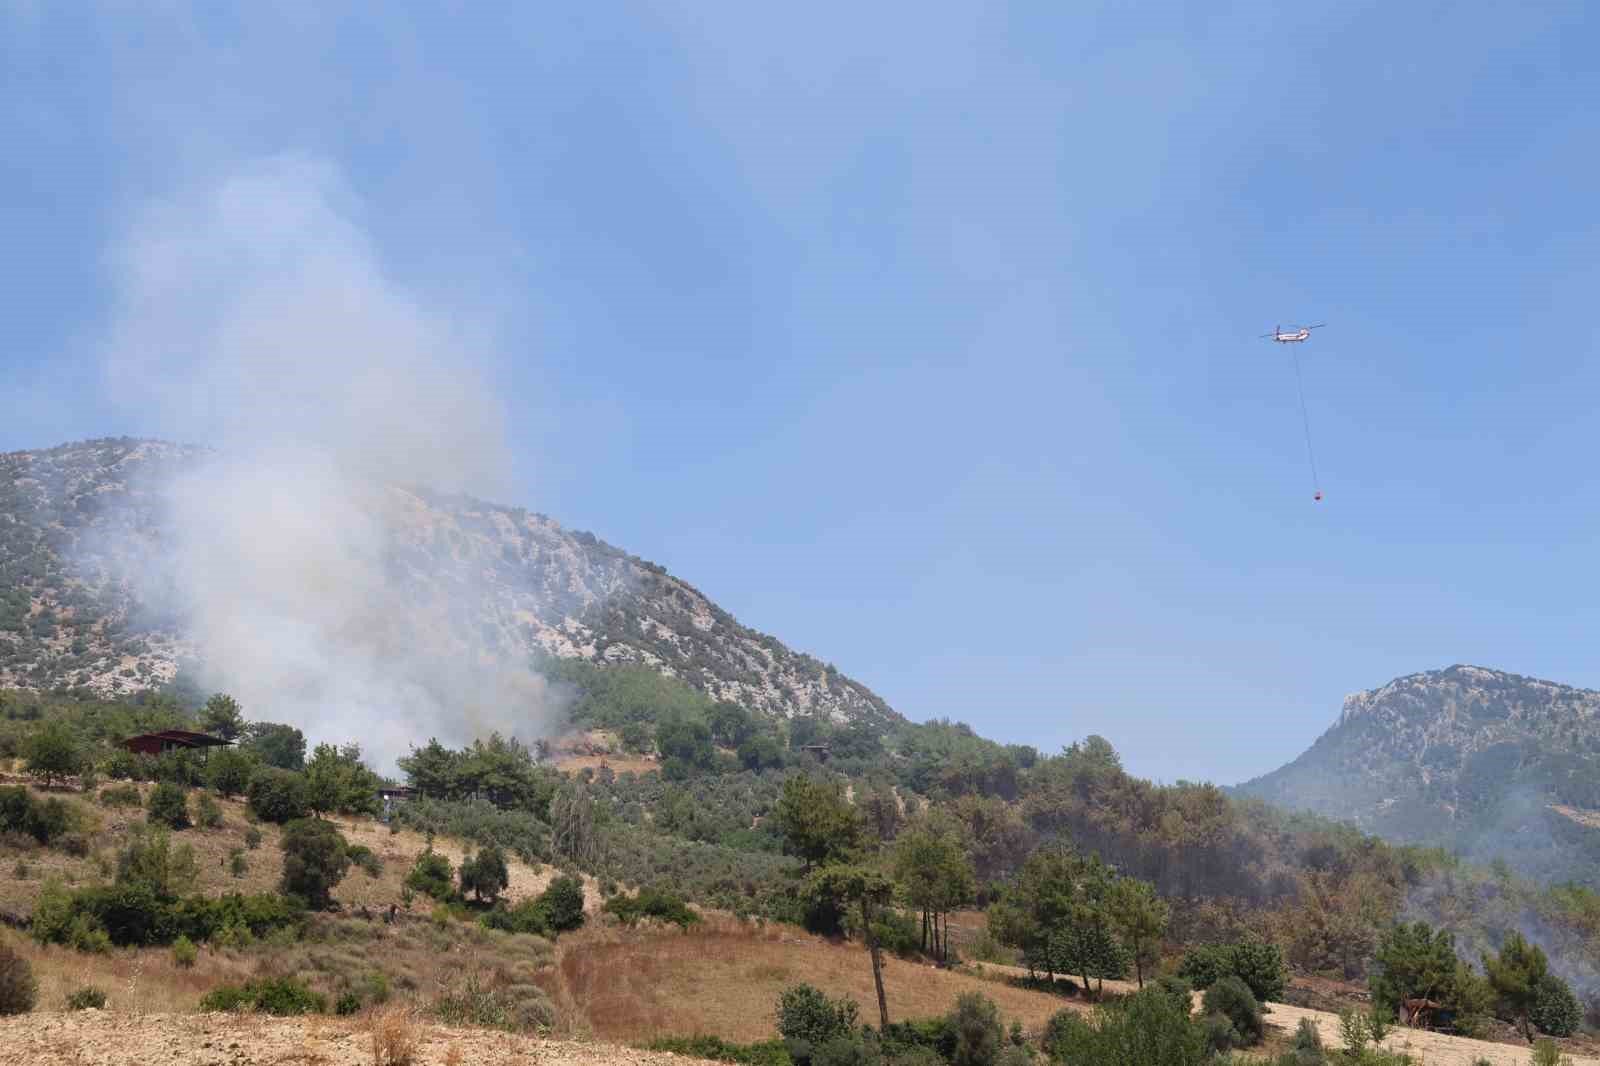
point(1291, 335)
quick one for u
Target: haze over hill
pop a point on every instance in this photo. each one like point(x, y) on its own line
point(1489, 764)
point(420, 613)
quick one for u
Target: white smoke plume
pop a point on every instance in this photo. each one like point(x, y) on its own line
point(253, 314)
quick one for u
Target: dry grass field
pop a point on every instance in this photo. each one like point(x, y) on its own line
point(418, 959)
point(723, 977)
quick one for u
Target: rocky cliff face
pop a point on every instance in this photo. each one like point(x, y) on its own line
point(83, 527)
point(1488, 763)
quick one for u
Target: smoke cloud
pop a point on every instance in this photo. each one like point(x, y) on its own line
point(253, 313)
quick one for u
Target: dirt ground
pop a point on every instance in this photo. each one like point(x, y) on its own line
point(108, 1038)
point(1434, 1049)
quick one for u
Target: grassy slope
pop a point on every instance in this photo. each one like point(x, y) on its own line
point(212, 847)
point(721, 977)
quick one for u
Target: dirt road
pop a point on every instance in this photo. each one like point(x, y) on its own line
point(108, 1038)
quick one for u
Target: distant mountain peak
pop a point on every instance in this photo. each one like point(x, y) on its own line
point(1483, 761)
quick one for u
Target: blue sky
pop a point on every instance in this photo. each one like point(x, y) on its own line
point(925, 337)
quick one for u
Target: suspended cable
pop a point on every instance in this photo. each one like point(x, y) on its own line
point(1305, 420)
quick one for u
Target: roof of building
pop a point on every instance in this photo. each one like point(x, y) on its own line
point(185, 737)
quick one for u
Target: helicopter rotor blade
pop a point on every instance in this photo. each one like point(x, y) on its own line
point(1319, 325)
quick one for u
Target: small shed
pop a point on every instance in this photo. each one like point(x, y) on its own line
point(818, 750)
point(1427, 1014)
point(173, 740)
point(391, 796)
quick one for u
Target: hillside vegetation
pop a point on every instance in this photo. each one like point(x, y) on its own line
point(1082, 869)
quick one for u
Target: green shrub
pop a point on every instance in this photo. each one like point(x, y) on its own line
point(432, 875)
point(1181, 991)
point(1379, 1022)
point(207, 813)
point(124, 765)
point(84, 935)
point(53, 752)
point(1556, 1011)
point(132, 913)
point(1146, 1029)
point(515, 1008)
point(715, 1049)
point(365, 859)
point(1354, 1032)
point(975, 1021)
point(1202, 965)
point(86, 998)
point(150, 858)
point(169, 806)
point(184, 953)
point(229, 771)
point(278, 796)
point(485, 874)
point(377, 988)
point(842, 1051)
point(898, 933)
point(285, 996)
point(349, 1002)
point(278, 996)
point(315, 859)
point(177, 767)
point(558, 909)
point(1547, 1053)
point(1259, 965)
point(43, 820)
point(121, 796)
point(651, 903)
point(1308, 1050)
point(18, 989)
point(807, 1014)
point(563, 904)
point(1232, 998)
point(252, 838)
point(237, 866)
point(1218, 1033)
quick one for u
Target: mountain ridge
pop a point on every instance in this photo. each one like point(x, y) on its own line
point(1487, 763)
point(78, 521)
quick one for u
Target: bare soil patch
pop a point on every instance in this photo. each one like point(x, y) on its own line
point(108, 1038)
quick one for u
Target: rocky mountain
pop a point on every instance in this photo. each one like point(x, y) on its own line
point(80, 524)
point(1486, 763)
